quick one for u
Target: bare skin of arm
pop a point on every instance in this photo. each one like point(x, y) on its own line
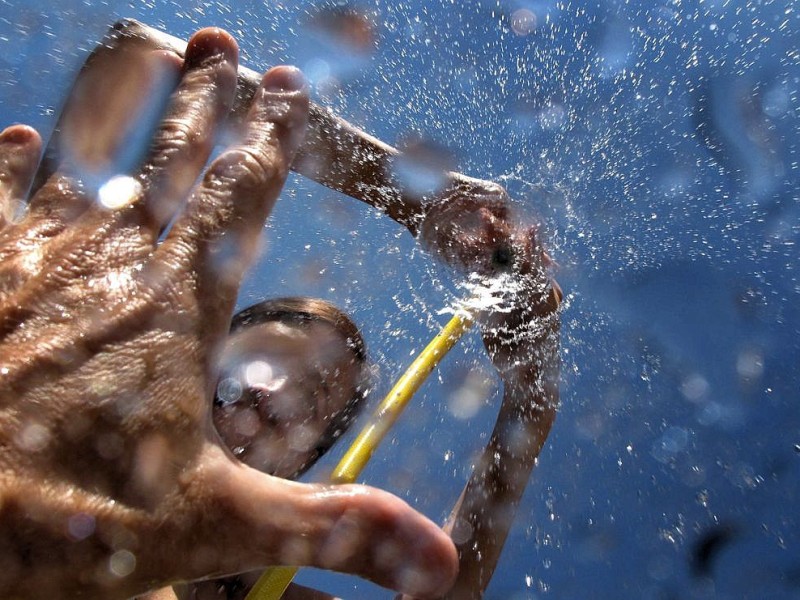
point(484, 513)
point(477, 235)
point(113, 478)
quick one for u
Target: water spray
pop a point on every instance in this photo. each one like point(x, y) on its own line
point(335, 153)
point(344, 158)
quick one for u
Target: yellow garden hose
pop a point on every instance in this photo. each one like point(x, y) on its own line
point(275, 580)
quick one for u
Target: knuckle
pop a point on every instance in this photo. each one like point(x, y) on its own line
point(12, 276)
point(243, 169)
point(173, 137)
point(285, 109)
point(208, 73)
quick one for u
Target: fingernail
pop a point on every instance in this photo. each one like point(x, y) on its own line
point(211, 41)
point(18, 134)
point(284, 79)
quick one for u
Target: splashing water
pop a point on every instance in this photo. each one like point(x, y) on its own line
point(657, 146)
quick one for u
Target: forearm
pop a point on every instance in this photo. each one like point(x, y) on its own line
point(481, 519)
point(335, 153)
point(340, 156)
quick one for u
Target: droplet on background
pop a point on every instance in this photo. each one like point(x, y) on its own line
point(615, 50)
point(776, 101)
point(523, 21)
point(673, 441)
point(527, 16)
point(553, 116)
point(750, 364)
point(695, 387)
point(112, 112)
point(337, 43)
point(734, 116)
point(421, 168)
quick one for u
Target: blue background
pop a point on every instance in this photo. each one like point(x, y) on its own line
point(657, 142)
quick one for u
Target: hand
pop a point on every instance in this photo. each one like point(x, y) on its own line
point(516, 303)
point(113, 479)
point(474, 233)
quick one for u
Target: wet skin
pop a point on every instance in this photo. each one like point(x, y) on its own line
point(109, 354)
point(280, 386)
point(108, 347)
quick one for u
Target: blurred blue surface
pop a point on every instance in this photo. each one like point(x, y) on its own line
point(658, 144)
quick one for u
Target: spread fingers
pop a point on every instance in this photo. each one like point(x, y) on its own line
point(184, 140)
point(217, 235)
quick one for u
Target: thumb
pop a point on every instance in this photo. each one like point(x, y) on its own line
point(262, 520)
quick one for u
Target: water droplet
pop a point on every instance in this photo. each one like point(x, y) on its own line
point(108, 122)
point(122, 563)
point(615, 49)
point(673, 441)
point(229, 390)
point(118, 192)
point(750, 364)
point(523, 21)
point(421, 168)
point(246, 422)
point(33, 437)
point(336, 44)
point(553, 116)
point(466, 399)
point(258, 372)
point(695, 387)
point(776, 101)
point(80, 526)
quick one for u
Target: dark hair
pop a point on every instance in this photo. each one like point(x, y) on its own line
point(300, 312)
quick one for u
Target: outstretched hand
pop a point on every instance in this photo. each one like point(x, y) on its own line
point(113, 479)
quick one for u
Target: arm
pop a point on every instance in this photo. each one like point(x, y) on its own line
point(522, 340)
point(484, 513)
point(335, 153)
point(113, 479)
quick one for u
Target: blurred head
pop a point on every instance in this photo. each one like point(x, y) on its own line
point(293, 375)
